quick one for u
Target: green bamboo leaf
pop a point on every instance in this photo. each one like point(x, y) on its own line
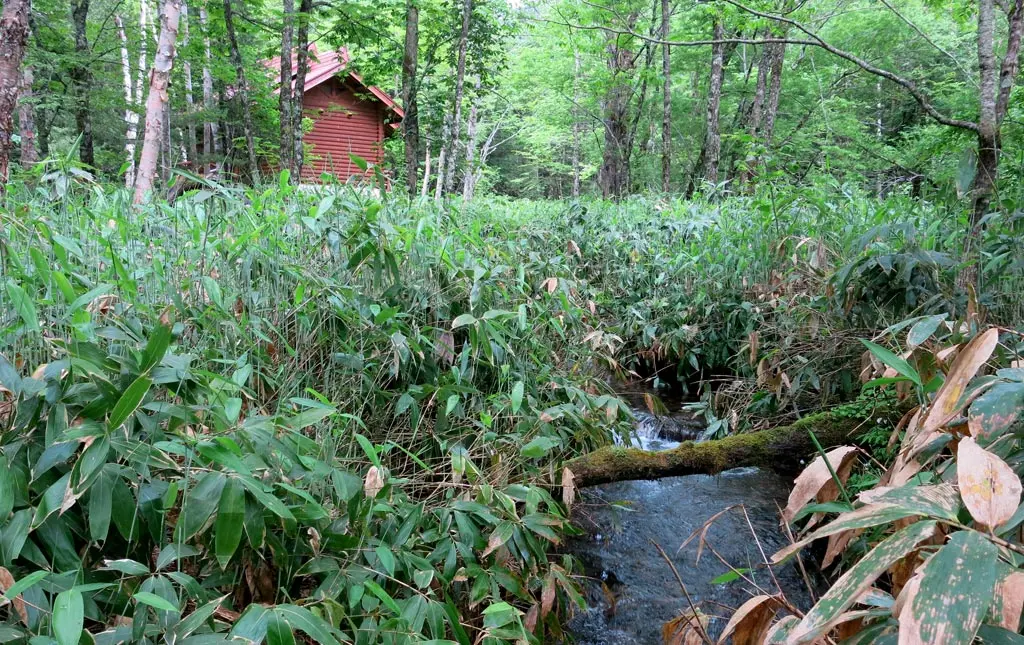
point(463, 320)
point(954, 594)
point(24, 306)
point(100, 505)
point(154, 601)
point(846, 589)
point(129, 402)
point(923, 329)
point(68, 617)
point(893, 361)
point(517, 396)
point(387, 559)
point(156, 347)
point(230, 521)
point(24, 584)
point(306, 621)
point(196, 619)
point(279, 632)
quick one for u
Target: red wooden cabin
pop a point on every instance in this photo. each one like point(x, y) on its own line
point(349, 117)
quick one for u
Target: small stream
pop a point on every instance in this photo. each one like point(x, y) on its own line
point(631, 591)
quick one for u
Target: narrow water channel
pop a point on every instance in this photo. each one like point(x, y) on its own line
point(631, 590)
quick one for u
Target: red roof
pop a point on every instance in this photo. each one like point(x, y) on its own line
point(323, 67)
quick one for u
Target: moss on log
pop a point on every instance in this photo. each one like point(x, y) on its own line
point(784, 449)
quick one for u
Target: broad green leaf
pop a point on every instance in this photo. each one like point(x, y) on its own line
point(924, 328)
point(197, 618)
point(995, 411)
point(463, 320)
point(844, 591)
point(127, 566)
point(538, 447)
point(279, 632)
point(517, 396)
point(100, 505)
point(387, 559)
point(24, 306)
point(954, 594)
point(25, 584)
point(892, 360)
point(230, 521)
point(68, 617)
point(306, 621)
point(129, 402)
point(157, 346)
point(154, 601)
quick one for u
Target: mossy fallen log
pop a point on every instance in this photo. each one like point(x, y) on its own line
point(785, 449)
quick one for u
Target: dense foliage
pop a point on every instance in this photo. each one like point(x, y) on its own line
point(345, 416)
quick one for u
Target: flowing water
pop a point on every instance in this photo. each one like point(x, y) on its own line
point(631, 591)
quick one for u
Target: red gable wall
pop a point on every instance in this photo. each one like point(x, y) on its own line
point(343, 122)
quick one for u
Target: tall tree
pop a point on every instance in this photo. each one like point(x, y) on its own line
point(410, 123)
point(301, 68)
point(712, 133)
point(666, 103)
point(13, 39)
point(211, 138)
point(159, 80)
point(81, 79)
point(243, 88)
point(190, 104)
point(460, 78)
point(614, 174)
point(27, 119)
point(284, 96)
point(131, 100)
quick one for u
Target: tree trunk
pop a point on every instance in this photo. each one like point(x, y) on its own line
point(577, 135)
point(786, 449)
point(211, 138)
point(131, 117)
point(27, 120)
point(81, 80)
point(243, 88)
point(190, 103)
point(614, 167)
point(756, 113)
point(425, 188)
point(666, 101)
point(159, 79)
point(442, 159)
point(771, 110)
point(712, 137)
point(410, 124)
point(284, 97)
point(469, 173)
point(144, 24)
point(301, 68)
point(13, 38)
point(460, 77)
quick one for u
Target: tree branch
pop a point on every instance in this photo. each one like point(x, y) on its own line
point(814, 41)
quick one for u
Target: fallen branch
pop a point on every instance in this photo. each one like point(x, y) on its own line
point(785, 449)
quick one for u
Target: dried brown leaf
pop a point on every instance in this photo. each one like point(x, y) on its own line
point(965, 366)
point(814, 480)
point(373, 483)
point(568, 487)
point(989, 487)
point(750, 623)
point(6, 582)
point(1009, 598)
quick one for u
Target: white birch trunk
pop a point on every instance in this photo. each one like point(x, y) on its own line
point(159, 78)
